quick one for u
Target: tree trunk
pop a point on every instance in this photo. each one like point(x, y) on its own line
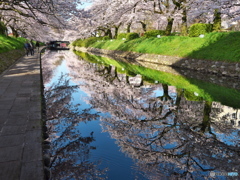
point(165, 96)
point(116, 32)
point(127, 79)
point(217, 21)
point(179, 97)
point(206, 117)
point(14, 32)
point(144, 26)
point(108, 33)
point(184, 31)
point(129, 27)
point(169, 26)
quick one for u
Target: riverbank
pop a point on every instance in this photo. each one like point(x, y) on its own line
point(8, 43)
point(220, 68)
point(21, 155)
point(11, 49)
point(216, 46)
point(9, 58)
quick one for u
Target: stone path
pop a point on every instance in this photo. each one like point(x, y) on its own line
point(20, 121)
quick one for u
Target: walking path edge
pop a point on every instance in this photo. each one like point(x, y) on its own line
point(21, 156)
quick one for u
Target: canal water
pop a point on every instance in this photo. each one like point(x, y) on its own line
point(110, 119)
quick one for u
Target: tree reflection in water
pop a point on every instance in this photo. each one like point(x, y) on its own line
point(168, 136)
point(179, 143)
point(69, 150)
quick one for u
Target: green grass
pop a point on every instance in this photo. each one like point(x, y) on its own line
point(10, 50)
point(10, 43)
point(220, 46)
point(205, 90)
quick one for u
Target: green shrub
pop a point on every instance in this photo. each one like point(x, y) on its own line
point(154, 33)
point(130, 73)
point(199, 28)
point(175, 34)
point(105, 38)
point(87, 42)
point(122, 35)
point(78, 42)
point(192, 96)
point(74, 43)
point(131, 36)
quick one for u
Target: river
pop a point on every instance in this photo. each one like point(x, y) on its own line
point(109, 119)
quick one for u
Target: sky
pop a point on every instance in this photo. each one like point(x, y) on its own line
point(85, 5)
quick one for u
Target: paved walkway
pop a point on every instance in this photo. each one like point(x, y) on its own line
point(20, 121)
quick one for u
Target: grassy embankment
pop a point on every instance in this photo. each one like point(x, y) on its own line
point(10, 43)
point(206, 91)
point(7, 44)
point(219, 46)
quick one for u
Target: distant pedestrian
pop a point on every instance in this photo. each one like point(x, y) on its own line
point(37, 45)
point(31, 47)
point(27, 47)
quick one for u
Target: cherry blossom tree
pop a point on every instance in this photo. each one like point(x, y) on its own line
point(36, 18)
point(228, 9)
point(111, 16)
point(108, 17)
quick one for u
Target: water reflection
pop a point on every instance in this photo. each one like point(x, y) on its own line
point(166, 135)
point(69, 148)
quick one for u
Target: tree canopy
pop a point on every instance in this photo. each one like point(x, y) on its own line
point(35, 18)
point(64, 19)
point(107, 17)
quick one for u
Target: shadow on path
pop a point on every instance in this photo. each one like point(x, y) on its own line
point(20, 121)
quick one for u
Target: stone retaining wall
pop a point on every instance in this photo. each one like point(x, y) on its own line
point(9, 58)
point(206, 66)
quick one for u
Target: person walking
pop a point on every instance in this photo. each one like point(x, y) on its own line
point(31, 47)
point(37, 45)
point(27, 47)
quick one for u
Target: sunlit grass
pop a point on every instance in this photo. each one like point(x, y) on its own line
point(205, 90)
point(9, 43)
point(221, 46)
